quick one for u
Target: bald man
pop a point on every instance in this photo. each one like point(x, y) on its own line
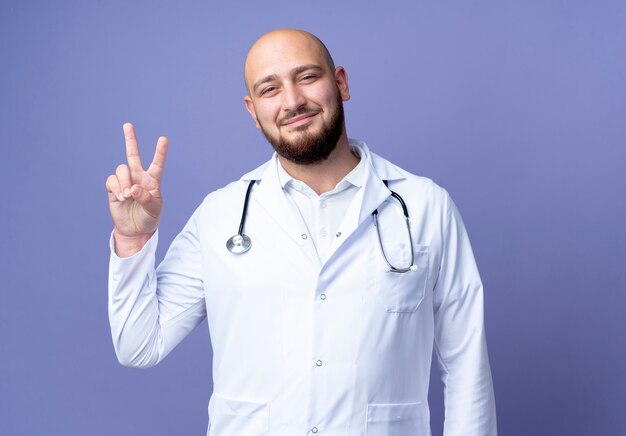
point(326, 306)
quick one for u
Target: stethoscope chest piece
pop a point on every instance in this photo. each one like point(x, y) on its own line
point(238, 244)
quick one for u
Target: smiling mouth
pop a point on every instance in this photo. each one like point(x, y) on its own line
point(299, 120)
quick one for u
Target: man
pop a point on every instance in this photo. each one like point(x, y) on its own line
point(327, 324)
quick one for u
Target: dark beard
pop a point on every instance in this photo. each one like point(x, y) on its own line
point(310, 148)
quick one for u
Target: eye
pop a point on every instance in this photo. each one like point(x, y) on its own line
point(308, 77)
point(268, 90)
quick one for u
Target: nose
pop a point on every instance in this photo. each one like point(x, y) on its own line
point(293, 98)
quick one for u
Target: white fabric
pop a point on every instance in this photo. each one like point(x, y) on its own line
point(301, 347)
point(322, 214)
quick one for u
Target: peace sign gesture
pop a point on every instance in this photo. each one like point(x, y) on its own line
point(135, 195)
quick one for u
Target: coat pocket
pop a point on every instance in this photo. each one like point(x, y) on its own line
point(401, 419)
point(228, 417)
point(403, 292)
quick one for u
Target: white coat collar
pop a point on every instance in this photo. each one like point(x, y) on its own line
point(384, 169)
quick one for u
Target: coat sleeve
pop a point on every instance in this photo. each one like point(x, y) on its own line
point(460, 344)
point(151, 311)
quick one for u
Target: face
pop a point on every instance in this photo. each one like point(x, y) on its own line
point(295, 96)
point(310, 145)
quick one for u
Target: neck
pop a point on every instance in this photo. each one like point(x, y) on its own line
point(324, 176)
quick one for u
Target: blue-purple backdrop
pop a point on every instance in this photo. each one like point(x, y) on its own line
point(518, 108)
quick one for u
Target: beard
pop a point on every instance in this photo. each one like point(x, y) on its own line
point(310, 148)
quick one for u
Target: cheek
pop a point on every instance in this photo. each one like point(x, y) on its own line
point(328, 100)
point(266, 113)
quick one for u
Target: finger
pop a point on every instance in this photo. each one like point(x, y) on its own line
point(158, 162)
point(150, 203)
point(141, 195)
point(132, 148)
point(124, 179)
point(113, 188)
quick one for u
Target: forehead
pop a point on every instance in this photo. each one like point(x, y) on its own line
point(280, 54)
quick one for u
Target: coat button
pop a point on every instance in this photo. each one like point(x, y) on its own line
point(314, 430)
point(322, 296)
point(318, 363)
point(304, 236)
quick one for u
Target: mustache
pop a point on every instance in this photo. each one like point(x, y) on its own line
point(296, 113)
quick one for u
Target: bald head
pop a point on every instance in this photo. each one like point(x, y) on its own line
point(277, 46)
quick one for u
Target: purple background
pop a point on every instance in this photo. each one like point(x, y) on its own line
point(517, 108)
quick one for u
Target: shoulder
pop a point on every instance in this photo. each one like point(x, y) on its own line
point(232, 194)
point(407, 183)
point(429, 203)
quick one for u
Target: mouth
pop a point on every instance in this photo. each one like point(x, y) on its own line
point(300, 120)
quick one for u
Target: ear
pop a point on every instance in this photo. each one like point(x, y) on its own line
point(341, 78)
point(251, 111)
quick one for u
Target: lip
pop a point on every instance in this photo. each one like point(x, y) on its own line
point(299, 120)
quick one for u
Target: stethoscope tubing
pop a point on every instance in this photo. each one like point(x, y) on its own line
point(245, 207)
point(240, 243)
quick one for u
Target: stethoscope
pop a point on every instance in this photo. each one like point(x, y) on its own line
point(241, 243)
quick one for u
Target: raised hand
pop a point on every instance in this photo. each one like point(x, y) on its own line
point(135, 199)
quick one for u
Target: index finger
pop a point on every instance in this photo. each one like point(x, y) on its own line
point(132, 148)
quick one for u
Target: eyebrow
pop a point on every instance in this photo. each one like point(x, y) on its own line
point(294, 72)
